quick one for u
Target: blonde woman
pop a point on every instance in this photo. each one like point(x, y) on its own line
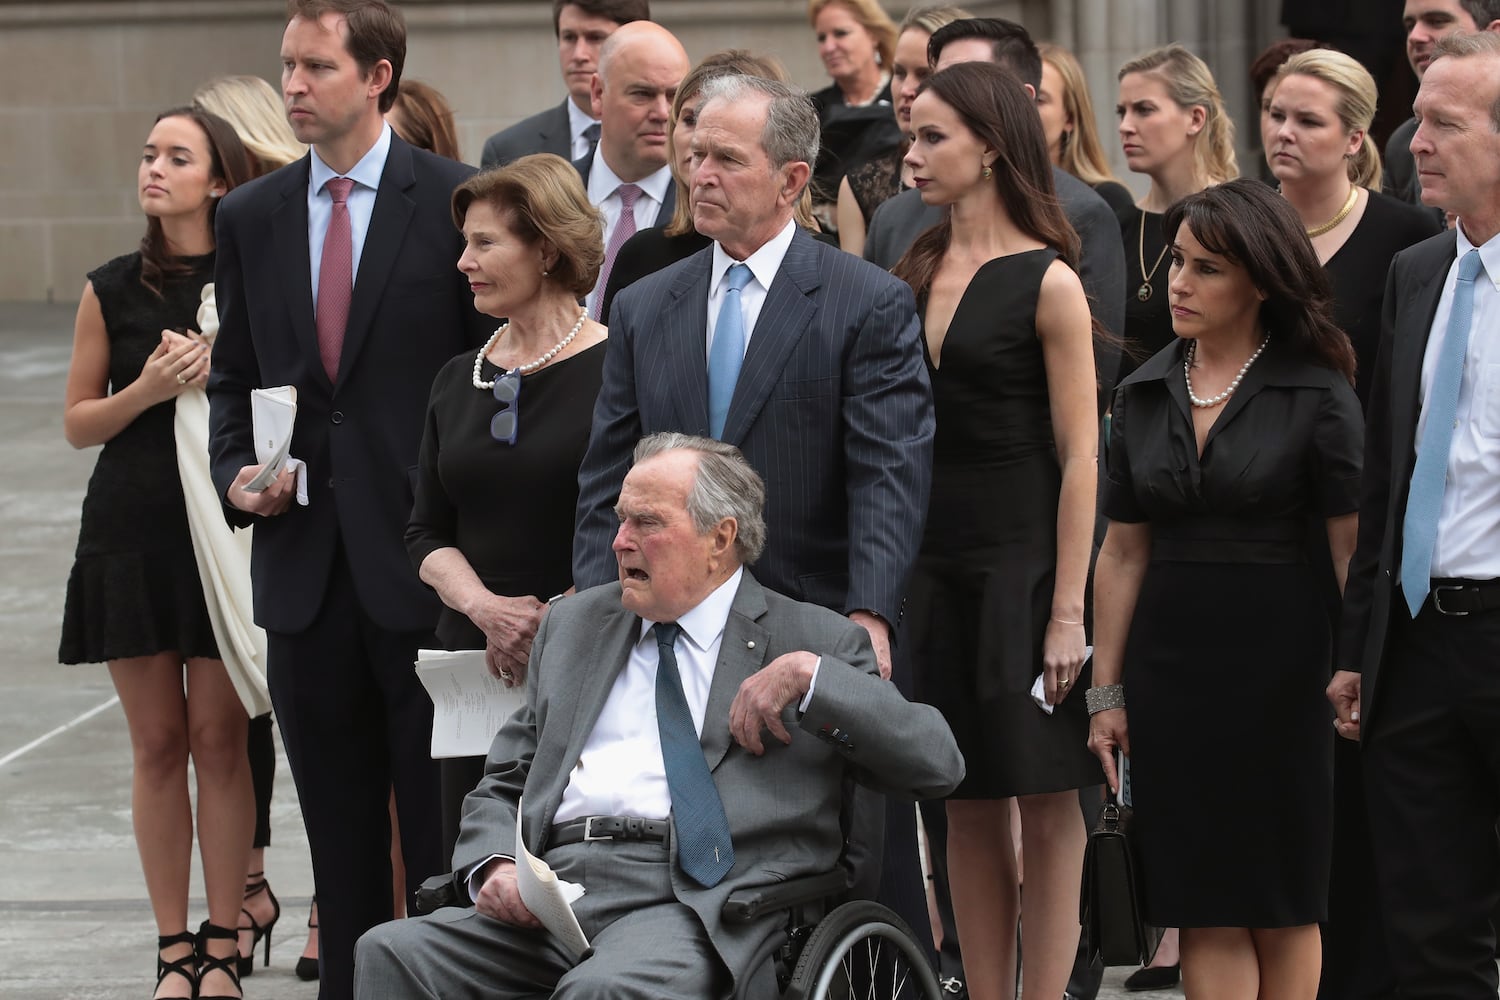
point(254, 109)
point(1067, 113)
point(1315, 132)
point(1173, 129)
point(857, 43)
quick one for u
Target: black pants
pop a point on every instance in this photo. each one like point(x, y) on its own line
point(356, 721)
point(1432, 781)
point(261, 748)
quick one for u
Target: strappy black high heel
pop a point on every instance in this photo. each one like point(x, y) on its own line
point(229, 964)
point(256, 884)
point(186, 966)
point(307, 968)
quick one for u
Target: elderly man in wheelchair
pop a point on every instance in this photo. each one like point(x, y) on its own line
point(683, 755)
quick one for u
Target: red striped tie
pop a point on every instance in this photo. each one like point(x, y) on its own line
point(335, 278)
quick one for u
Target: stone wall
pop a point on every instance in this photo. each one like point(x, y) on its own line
point(83, 81)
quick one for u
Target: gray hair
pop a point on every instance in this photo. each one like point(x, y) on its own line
point(725, 485)
point(792, 128)
point(1467, 45)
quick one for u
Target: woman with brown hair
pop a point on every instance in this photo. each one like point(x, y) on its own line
point(423, 117)
point(491, 527)
point(996, 605)
point(135, 598)
point(1212, 639)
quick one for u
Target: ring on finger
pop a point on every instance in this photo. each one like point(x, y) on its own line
point(180, 379)
point(1064, 682)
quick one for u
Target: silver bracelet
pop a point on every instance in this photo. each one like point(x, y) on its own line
point(1102, 699)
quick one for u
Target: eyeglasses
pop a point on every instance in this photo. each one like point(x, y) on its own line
point(504, 425)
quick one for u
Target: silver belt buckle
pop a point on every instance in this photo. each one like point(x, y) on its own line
point(588, 831)
point(1437, 601)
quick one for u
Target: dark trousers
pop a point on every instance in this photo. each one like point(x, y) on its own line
point(1432, 780)
point(260, 746)
point(355, 721)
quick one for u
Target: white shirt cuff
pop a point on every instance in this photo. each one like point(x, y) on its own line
point(812, 686)
point(473, 881)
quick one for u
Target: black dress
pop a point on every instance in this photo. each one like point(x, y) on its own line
point(508, 508)
point(981, 592)
point(134, 589)
point(1358, 272)
point(647, 252)
point(1229, 648)
point(1148, 321)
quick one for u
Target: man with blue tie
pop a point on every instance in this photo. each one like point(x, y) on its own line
point(1421, 631)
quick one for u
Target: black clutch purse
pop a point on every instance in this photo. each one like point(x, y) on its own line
point(1112, 909)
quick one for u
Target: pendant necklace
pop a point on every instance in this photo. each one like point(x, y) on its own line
point(1143, 293)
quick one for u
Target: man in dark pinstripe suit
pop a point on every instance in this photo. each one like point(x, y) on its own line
point(832, 405)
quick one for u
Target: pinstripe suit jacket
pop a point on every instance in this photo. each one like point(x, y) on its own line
point(833, 408)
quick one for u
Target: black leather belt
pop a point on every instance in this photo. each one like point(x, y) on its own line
point(1456, 598)
point(591, 828)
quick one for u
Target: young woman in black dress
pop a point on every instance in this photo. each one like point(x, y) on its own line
point(1212, 636)
point(997, 597)
point(134, 596)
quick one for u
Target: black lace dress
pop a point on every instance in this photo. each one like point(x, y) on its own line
point(134, 588)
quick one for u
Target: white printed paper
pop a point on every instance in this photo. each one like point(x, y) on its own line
point(548, 897)
point(469, 705)
point(273, 413)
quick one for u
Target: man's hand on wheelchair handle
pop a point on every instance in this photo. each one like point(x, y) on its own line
point(500, 898)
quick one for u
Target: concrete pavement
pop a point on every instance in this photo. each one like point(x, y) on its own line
point(74, 918)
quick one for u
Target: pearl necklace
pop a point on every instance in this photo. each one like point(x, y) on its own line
point(530, 366)
point(1187, 375)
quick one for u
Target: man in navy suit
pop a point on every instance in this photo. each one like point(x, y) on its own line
point(627, 176)
point(336, 275)
point(570, 129)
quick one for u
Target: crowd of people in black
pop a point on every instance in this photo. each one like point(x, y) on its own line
point(794, 395)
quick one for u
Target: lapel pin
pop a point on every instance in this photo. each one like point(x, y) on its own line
point(750, 644)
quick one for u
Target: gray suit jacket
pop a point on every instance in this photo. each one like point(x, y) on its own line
point(833, 408)
point(783, 807)
point(897, 223)
point(1413, 287)
point(544, 132)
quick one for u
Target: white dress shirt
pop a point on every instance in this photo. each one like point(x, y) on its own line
point(366, 177)
point(602, 195)
point(763, 264)
point(1468, 537)
point(578, 123)
point(620, 771)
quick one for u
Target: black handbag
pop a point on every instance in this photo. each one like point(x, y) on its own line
point(1112, 909)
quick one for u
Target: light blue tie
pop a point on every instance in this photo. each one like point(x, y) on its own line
point(1425, 501)
point(704, 849)
point(728, 351)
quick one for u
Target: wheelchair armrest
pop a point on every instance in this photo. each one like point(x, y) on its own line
point(440, 891)
point(745, 905)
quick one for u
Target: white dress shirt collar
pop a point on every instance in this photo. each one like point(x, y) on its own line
point(763, 263)
point(603, 181)
point(704, 625)
point(1489, 253)
point(578, 123)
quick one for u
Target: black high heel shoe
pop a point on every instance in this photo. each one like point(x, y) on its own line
point(255, 885)
point(307, 968)
point(229, 964)
point(186, 966)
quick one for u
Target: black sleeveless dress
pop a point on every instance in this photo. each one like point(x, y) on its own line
point(134, 588)
point(981, 592)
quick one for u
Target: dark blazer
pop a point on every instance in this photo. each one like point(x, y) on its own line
point(585, 166)
point(1412, 291)
point(898, 222)
point(547, 131)
point(783, 808)
point(411, 312)
point(833, 408)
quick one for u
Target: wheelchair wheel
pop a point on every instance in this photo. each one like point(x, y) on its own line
point(862, 950)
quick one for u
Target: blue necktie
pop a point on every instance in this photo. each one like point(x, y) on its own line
point(703, 846)
point(728, 351)
point(1425, 501)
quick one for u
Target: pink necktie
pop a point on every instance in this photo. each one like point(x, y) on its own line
point(335, 278)
point(624, 229)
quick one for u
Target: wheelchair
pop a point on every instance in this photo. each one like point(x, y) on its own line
point(831, 951)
